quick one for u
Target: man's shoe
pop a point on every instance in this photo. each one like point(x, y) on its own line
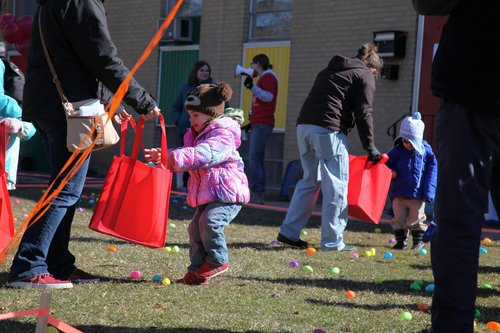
point(298, 243)
point(80, 277)
point(43, 281)
point(191, 279)
point(208, 270)
point(348, 248)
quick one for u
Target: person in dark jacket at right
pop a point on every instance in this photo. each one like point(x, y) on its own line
point(341, 97)
point(468, 154)
point(80, 47)
point(414, 177)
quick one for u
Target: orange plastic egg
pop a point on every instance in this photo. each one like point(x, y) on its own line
point(486, 240)
point(111, 248)
point(310, 250)
point(350, 294)
point(493, 325)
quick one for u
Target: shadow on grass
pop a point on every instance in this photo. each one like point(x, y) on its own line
point(18, 327)
point(4, 278)
point(387, 286)
point(370, 307)
point(481, 269)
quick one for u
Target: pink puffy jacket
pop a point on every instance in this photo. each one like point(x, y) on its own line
point(215, 167)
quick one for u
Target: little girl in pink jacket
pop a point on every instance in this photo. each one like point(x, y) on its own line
point(217, 185)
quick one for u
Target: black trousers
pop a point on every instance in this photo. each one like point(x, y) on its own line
point(468, 156)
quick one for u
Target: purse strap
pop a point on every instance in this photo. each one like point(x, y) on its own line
point(55, 78)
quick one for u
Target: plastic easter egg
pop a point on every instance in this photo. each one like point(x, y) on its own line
point(79, 209)
point(111, 248)
point(91, 202)
point(274, 242)
point(368, 253)
point(175, 201)
point(430, 288)
point(415, 287)
point(335, 270)
point(377, 230)
point(175, 249)
point(172, 225)
point(406, 316)
point(423, 307)
point(293, 263)
point(310, 250)
point(487, 286)
point(419, 282)
point(392, 240)
point(350, 294)
point(304, 233)
point(486, 240)
point(477, 314)
point(167, 249)
point(307, 269)
point(318, 330)
point(135, 274)
point(373, 251)
point(423, 252)
point(388, 255)
point(185, 207)
point(156, 278)
point(166, 282)
point(483, 250)
point(16, 201)
point(354, 255)
point(152, 164)
point(493, 326)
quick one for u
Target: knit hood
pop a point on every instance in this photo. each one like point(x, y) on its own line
point(412, 129)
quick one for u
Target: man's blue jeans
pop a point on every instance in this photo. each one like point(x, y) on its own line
point(44, 246)
point(325, 161)
point(207, 241)
point(258, 137)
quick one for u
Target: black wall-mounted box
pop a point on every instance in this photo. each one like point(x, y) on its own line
point(389, 72)
point(390, 43)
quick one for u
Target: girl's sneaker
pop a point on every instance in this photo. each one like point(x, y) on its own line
point(192, 279)
point(208, 270)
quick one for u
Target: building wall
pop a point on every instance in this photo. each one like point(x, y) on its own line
point(223, 31)
point(323, 28)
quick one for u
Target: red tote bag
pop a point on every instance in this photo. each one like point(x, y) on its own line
point(368, 188)
point(134, 201)
point(6, 217)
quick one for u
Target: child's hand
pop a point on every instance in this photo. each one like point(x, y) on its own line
point(12, 125)
point(153, 155)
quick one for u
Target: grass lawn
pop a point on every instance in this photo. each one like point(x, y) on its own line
point(260, 293)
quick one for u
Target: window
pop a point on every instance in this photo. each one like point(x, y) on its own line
point(188, 8)
point(270, 19)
